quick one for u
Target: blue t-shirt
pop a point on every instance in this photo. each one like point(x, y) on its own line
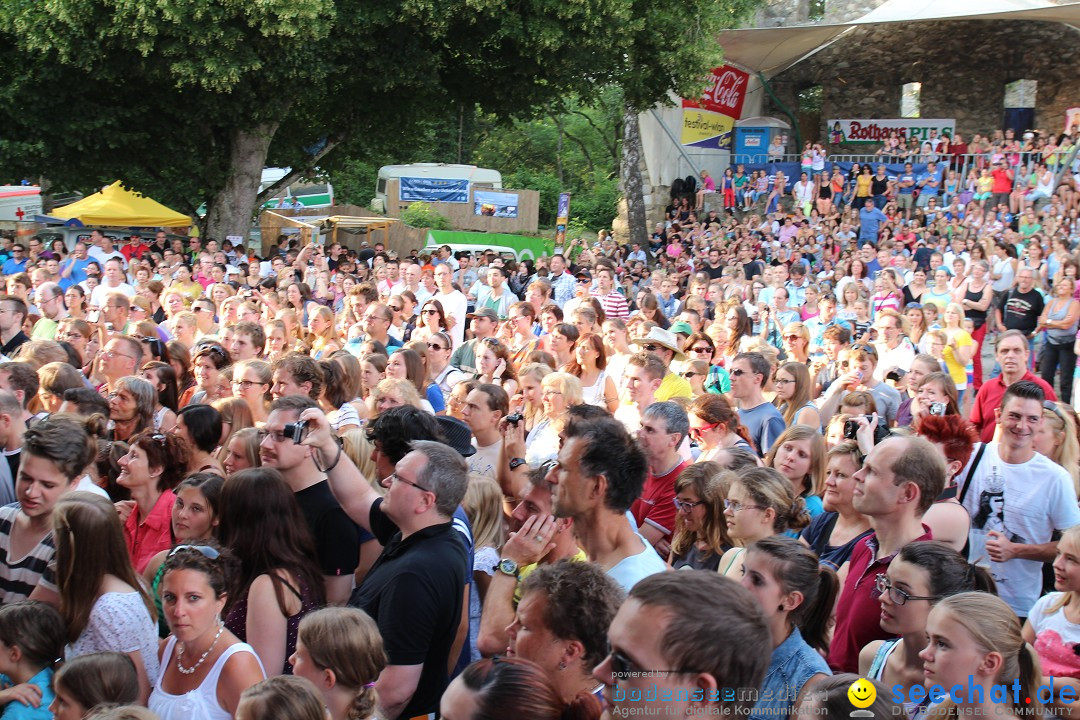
point(15, 710)
point(435, 397)
point(929, 189)
point(765, 424)
point(13, 266)
point(78, 271)
point(869, 223)
point(907, 189)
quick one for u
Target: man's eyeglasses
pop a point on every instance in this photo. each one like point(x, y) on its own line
point(393, 308)
point(277, 436)
point(883, 584)
point(622, 666)
point(689, 375)
point(418, 486)
point(112, 354)
point(869, 349)
point(685, 505)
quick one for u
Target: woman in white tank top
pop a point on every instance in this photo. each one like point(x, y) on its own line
point(200, 652)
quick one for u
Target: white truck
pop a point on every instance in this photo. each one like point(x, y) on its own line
point(484, 178)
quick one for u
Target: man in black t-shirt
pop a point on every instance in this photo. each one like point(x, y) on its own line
point(714, 268)
point(1020, 309)
point(750, 266)
point(414, 590)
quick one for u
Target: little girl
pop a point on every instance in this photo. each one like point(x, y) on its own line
point(1053, 625)
point(862, 320)
point(32, 638)
point(483, 506)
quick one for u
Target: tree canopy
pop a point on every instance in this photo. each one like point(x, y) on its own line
point(187, 100)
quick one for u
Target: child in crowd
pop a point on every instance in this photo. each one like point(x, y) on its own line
point(32, 638)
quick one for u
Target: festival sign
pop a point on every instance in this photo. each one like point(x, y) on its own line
point(495, 204)
point(708, 121)
point(877, 131)
point(450, 190)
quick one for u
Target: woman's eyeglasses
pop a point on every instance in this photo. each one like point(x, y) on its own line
point(429, 311)
point(883, 584)
point(695, 432)
point(685, 505)
point(436, 346)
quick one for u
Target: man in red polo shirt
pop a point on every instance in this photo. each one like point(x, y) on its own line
point(664, 426)
point(1012, 355)
point(897, 484)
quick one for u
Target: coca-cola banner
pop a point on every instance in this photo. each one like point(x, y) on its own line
point(707, 122)
point(844, 132)
point(724, 92)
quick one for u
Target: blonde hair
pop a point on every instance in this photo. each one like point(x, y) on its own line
point(1067, 452)
point(283, 697)
point(818, 456)
point(538, 371)
point(1072, 536)
point(994, 627)
point(347, 641)
point(483, 505)
point(404, 388)
point(567, 384)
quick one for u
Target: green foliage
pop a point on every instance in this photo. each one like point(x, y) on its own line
point(422, 215)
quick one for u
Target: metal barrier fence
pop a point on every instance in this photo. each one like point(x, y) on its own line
point(1020, 163)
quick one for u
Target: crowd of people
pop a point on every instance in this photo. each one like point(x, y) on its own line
point(729, 470)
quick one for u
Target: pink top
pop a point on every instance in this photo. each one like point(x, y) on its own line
point(152, 535)
point(709, 184)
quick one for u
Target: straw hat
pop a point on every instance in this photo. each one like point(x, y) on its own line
point(664, 338)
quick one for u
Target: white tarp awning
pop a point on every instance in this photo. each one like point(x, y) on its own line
point(773, 50)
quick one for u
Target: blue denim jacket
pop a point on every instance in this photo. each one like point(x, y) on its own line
point(792, 664)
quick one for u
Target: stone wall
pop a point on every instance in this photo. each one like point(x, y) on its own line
point(963, 67)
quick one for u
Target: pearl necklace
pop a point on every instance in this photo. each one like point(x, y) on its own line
point(180, 654)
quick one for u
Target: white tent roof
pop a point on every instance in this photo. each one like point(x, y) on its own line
point(773, 50)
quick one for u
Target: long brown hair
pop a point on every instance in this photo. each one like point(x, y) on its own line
point(708, 481)
point(803, 388)
point(89, 545)
point(597, 344)
point(262, 524)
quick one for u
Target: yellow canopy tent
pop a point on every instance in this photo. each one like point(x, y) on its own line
point(117, 206)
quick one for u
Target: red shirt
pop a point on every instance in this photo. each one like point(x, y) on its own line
point(858, 612)
point(137, 251)
point(989, 399)
point(1002, 181)
point(152, 535)
point(656, 506)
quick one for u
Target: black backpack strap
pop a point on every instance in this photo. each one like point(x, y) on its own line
point(971, 471)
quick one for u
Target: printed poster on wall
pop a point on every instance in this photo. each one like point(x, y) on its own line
point(495, 204)
point(562, 218)
point(450, 190)
point(708, 121)
point(877, 131)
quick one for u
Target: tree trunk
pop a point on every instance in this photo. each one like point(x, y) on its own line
point(631, 179)
point(231, 210)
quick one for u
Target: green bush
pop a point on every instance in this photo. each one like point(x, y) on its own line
point(422, 215)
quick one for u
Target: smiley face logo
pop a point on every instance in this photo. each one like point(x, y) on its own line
point(862, 693)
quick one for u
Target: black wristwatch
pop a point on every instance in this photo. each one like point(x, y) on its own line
point(517, 462)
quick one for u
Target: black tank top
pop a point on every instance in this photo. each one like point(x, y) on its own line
point(825, 191)
point(977, 317)
point(879, 186)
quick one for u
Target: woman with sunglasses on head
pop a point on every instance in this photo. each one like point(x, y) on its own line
point(1057, 438)
point(279, 580)
point(204, 667)
point(153, 465)
point(760, 504)
point(715, 426)
point(701, 536)
point(921, 575)
point(194, 520)
point(796, 596)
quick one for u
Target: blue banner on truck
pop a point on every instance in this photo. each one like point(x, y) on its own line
point(434, 190)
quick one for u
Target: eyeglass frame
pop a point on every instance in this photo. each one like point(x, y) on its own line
point(394, 476)
point(735, 507)
point(684, 506)
point(883, 584)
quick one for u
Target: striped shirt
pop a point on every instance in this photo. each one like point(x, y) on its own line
point(614, 304)
point(19, 576)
